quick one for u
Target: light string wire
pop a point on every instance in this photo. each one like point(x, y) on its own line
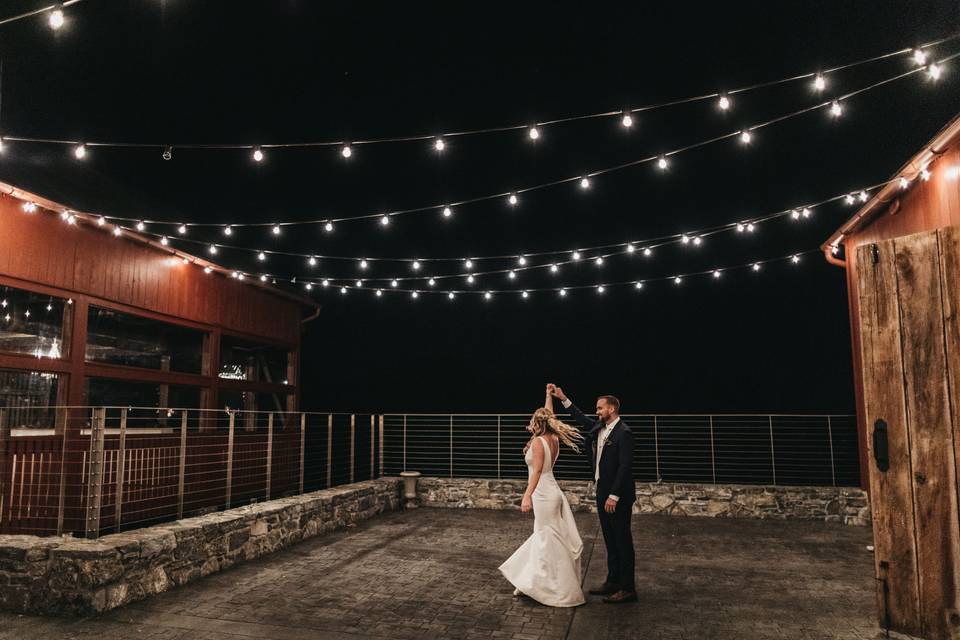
point(585, 253)
point(487, 130)
point(637, 283)
point(553, 183)
point(67, 3)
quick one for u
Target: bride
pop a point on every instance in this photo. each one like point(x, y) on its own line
point(547, 566)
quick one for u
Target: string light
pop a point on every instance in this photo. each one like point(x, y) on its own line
point(346, 152)
point(575, 255)
point(512, 199)
point(585, 183)
point(716, 273)
point(534, 133)
point(182, 229)
point(439, 144)
point(263, 278)
point(451, 295)
point(117, 231)
point(80, 151)
point(746, 137)
point(359, 283)
point(512, 274)
point(471, 279)
point(328, 227)
point(631, 248)
point(756, 266)
point(925, 174)
point(554, 268)
point(662, 163)
point(626, 120)
point(141, 226)
point(343, 290)
point(835, 109)
point(794, 259)
point(563, 293)
point(276, 229)
point(364, 264)
point(56, 19)
point(638, 285)
point(468, 263)
point(228, 230)
point(599, 261)
point(29, 207)
point(416, 265)
point(904, 183)
point(447, 212)
point(394, 283)
point(432, 282)
point(257, 154)
point(677, 280)
point(723, 103)
point(379, 292)
point(521, 261)
point(213, 249)
point(600, 289)
point(863, 196)
point(934, 71)
point(648, 252)
point(819, 82)
point(414, 294)
point(849, 199)
point(795, 214)
point(262, 256)
point(207, 270)
point(920, 57)
point(384, 220)
point(164, 241)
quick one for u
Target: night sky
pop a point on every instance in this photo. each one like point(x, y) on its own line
point(169, 71)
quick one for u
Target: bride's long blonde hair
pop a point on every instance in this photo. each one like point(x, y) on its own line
point(544, 421)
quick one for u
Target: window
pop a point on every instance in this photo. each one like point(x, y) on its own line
point(29, 399)
point(31, 323)
point(148, 402)
point(244, 360)
point(120, 338)
point(250, 401)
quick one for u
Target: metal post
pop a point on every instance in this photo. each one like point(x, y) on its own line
point(121, 454)
point(773, 456)
point(303, 440)
point(381, 445)
point(353, 442)
point(232, 423)
point(498, 446)
point(451, 445)
point(372, 447)
point(713, 454)
point(329, 450)
point(64, 444)
point(95, 473)
point(183, 463)
point(404, 442)
point(833, 467)
point(269, 450)
point(656, 448)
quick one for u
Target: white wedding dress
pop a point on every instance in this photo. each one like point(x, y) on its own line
point(547, 566)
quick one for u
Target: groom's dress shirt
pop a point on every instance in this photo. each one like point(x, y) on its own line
point(601, 440)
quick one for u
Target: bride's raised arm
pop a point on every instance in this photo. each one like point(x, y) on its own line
point(548, 403)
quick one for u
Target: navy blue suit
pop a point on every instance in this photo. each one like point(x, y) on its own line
point(616, 478)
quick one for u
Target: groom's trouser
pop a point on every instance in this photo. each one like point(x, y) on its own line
point(619, 542)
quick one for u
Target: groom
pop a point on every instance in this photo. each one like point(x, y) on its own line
point(611, 454)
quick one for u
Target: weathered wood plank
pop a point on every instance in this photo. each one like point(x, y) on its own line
point(930, 427)
point(890, 491)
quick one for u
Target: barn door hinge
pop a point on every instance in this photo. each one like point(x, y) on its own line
point(875, 253)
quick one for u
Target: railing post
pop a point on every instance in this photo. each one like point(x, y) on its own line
point(773, 455)
point(373, 448)
point(183, 463)
point(232, 424)
point(269, 451)
point(713, 454)
point(381, 445)
point(303, 441)
point(95, 473)
point(451, 445)
point(121, 454)
point(4, 450)
point(353, 442)
point(404, 442)
point(656, 448)
point(498, 446)
point(329, 450)
point(833, 466)
point(64, 447)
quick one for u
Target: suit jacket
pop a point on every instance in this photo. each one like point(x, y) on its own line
point(616, 463)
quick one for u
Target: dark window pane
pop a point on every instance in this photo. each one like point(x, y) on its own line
point(31, 323)
point(125, 339)
point(244, 360)
point(29, 398)
point(149, 403)
point(263, 403)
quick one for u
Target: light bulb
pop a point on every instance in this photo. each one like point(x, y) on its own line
point(414, 294)
point(563, 293)
point(638, 285)
point(584, 183)
point(750, 227)
point(394, 283)
point(312, 261)
point(836, 109)
point(677, 280)
point(257, 154)
point(328, 227)
point(554, 268)
point(164, 241)
point(512, 199)
point(723, 103)
point(416, 265)
point(346, 152)
point(261, 256)
point(925, 174)
point(599, 261)
point(432, 282)
point(648, 252)
point(819, 82)
point(213, 249)
point(182, 229)
point(263, 278)
point(756, 266)
point(525, 295)
point(379, 292)
point(662, 162)
point(934, 71)
point(471, 279)
point(795, 214)
point(904, 183)
point(439, 144)
point(228, 230)
point(384, 220)
point(600, 289)
point(534, 133)
point(746, 137)
point(343, 290)
point(117, 231)
point(308, 287)
point(447, 212)
point(697, 241)
point(487, 295)
point(863, 196)
point(326, 283)
point(631, 248)
point(919, 56)
point(207, 270)
point(141, 226)
point(80, 151)
point(795, 259)
point(359, 283)
point(741, 227)
point(56, 19)
point(512, 274)
point(364, 264)
point(716, 273)
point(100, 221)
point(806, 212)
point(626, 120)
point(29, 207)
point(685, 239)
point(849, 199)
point(575, 255)
point(468, 263)
point(239, 277)
point(71, 219)
point(276, 229)
point(521, 261)
point(450, 295)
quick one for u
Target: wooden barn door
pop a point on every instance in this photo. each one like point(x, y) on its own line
point(910, 345)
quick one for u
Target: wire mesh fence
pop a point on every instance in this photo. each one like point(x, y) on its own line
point(777, 449)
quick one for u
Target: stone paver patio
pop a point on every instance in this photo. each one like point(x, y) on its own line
point(432, 573)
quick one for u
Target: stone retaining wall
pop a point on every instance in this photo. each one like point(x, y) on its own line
point(830, 504)
point(71, 575)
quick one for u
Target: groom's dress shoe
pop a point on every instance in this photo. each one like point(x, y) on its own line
point(621, 596)
point(603, 590)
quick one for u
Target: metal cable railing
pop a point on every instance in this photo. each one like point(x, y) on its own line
point(769, 449)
